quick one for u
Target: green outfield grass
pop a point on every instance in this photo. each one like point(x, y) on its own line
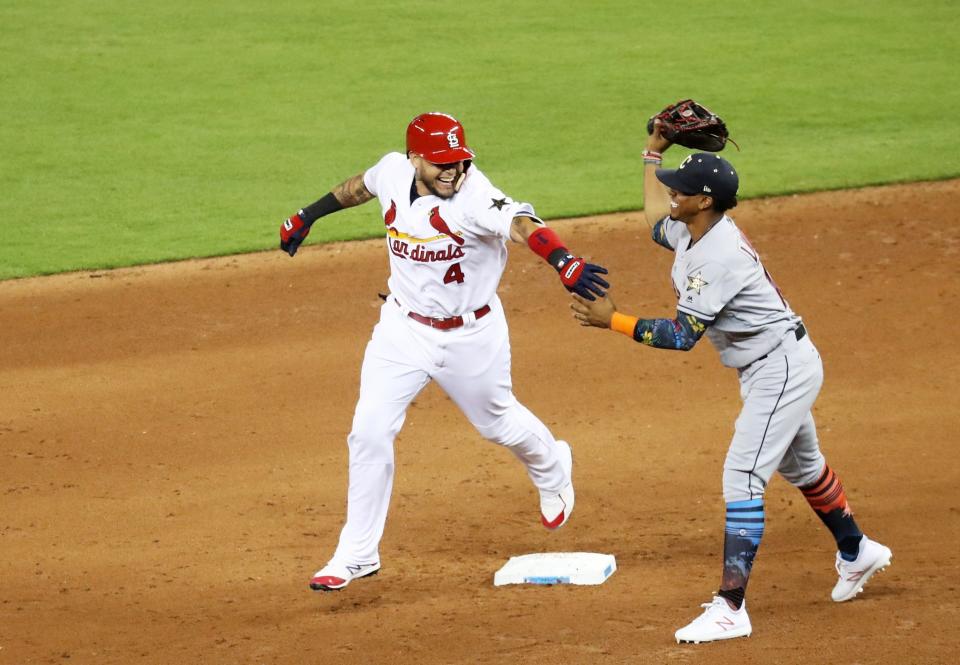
point(142, 132)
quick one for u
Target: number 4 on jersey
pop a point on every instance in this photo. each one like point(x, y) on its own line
point(454, 274)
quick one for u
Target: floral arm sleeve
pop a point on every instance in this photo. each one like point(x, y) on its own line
point(679, 334)
point(659, 234)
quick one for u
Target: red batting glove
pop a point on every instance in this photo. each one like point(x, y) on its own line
point(293, 231)
point(583, 278)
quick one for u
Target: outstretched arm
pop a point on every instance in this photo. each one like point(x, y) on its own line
point(352, 192)
point(656, 197)
point(679, 334)
point(577, 275)
point(349, 193)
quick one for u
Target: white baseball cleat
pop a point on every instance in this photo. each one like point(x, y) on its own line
point(335, 576)
point(718, 622)
point(873, 557)
point(555, 507)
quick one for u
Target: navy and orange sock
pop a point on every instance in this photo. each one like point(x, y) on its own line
point(742, 534)
point(828, 499)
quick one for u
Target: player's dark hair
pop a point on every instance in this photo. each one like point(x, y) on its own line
point(723, 205)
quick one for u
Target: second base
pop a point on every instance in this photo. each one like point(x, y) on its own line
point(556, 568)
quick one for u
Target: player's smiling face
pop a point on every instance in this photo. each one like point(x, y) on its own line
point(684, 207)
point(437, 179)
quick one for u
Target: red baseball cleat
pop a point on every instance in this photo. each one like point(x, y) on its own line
point(555, 507)
point(335, 576)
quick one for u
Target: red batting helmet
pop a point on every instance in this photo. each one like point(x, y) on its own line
point(438, 138)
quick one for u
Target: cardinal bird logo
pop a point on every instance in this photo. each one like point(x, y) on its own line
point(437, 222)
point(391, 214)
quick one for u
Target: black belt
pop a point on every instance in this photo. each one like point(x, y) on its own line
point(445, 324)
point(800, 333)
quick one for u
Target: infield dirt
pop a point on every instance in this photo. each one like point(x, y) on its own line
point(173, 459)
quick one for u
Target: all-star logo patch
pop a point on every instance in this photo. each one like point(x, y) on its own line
point(696, 282)
point(498, 203)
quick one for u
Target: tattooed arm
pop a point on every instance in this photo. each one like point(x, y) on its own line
point(352, 192)
point(349, 193)
point(523, 226)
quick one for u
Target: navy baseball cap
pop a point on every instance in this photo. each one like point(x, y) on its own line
point(702, 173)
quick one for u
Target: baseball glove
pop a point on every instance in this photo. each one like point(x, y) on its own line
point(692, 125)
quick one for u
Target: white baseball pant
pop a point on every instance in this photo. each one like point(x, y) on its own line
point(472, 365)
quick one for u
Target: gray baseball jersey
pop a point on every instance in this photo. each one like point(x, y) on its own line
point(722, 280)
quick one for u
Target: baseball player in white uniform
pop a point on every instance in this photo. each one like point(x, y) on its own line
point(446, 228)
point(724, 291)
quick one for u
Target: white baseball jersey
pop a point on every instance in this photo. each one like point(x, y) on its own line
point(446, 260)
point(721, 279)
point(446, 255)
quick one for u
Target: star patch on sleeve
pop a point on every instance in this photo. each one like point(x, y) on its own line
point(696, 282)
point(498, 203)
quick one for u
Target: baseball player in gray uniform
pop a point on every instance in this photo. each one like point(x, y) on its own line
point(724, 292)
